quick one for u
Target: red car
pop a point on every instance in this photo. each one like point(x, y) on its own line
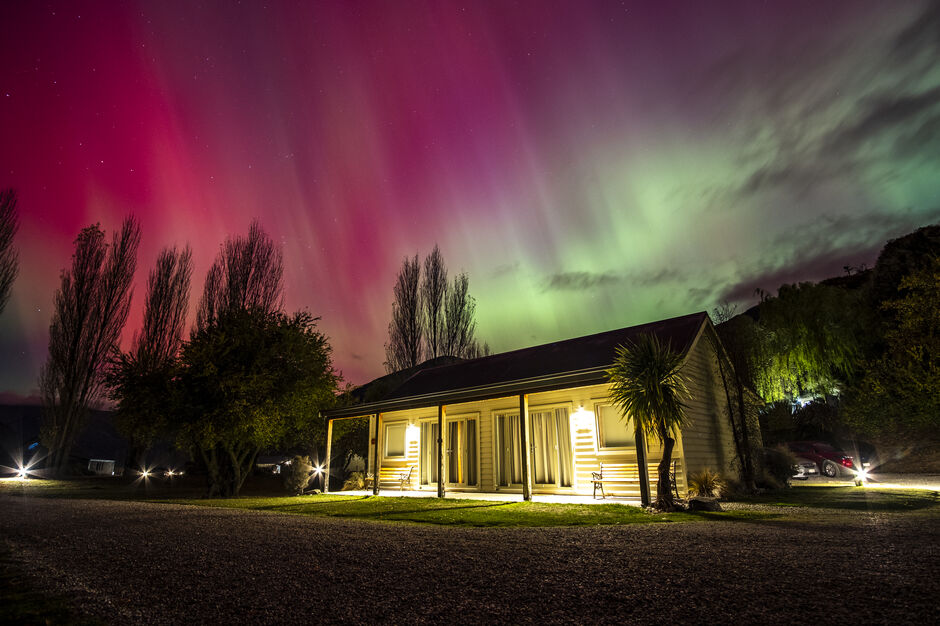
point(831, 462)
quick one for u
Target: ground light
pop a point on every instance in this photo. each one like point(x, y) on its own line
point(318, 471)
point(861, 477)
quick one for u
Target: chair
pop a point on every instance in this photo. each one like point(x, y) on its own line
point(598, 479)
point(405, 477)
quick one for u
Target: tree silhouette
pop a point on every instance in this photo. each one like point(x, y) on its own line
point(9, 224)
point(248, 274)
point(139, 380)
point(405, 331)
point(91, 307)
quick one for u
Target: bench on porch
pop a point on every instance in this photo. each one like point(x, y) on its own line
point(626, 474)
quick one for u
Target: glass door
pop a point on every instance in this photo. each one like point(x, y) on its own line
point(551, 448)
point(461, 447)
point(508, 450)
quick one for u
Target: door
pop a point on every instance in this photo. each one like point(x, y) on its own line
point(551, 448)
point(508, 450)
point(460, 443)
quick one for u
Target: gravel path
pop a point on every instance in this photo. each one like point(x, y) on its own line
point(127, 562)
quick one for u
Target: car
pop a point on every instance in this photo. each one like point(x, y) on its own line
point(830, 461)
point(804, 468)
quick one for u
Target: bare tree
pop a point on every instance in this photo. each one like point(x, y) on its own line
point(433, 292)
point(9, 224)
point(167, 304)
point(405, 331)
point(91, 308)
point(248, 274)
point(460, 325)
point(139, 380)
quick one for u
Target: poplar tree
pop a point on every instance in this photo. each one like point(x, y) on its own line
point(405, 331)
point(139, 380)
point(90, 311)
point(9, 224)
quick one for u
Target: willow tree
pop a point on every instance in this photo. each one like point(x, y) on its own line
point(647, 385)
point(810, 337)
point(9, 224)
point(90, 310)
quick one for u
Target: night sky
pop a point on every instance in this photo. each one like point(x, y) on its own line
point(590, 165)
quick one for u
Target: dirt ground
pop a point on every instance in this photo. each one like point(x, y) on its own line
point(147, 563)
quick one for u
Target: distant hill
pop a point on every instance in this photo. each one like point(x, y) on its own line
point(897, 259)
point(19, 429)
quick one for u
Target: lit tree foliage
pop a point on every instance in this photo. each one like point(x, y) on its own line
point(9, 224)
point(139, 381)
point(647, 385)
point(247, 381)
point(91, 307)
point(809, 337)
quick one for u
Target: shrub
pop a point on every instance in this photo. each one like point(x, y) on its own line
point(705, 484)
point(297, 474)
point(731, 489)
point(776, 468)
point(355, 482)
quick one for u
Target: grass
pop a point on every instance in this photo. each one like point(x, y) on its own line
point(848, 498)
point(454, 512)
point(20, 603)
point(266, 494)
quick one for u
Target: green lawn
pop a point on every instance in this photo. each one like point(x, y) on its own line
point(454, 512)
point(804, 502)
point(850, 498)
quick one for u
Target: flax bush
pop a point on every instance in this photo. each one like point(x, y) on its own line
point(706, 484)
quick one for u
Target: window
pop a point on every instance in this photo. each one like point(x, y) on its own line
point(395, 439)
point(613, 431)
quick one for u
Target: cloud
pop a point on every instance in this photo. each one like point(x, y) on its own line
point(504, 270)
point(919, 38)
point(584, 281)
point(580, 281)
point(881, 114)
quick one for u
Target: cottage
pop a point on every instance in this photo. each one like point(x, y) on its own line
point(538, 420)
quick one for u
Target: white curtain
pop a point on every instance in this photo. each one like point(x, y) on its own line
point(471, 452)
point(428, 453)
point(509, 450)
point(551, 448)
point(563, 437)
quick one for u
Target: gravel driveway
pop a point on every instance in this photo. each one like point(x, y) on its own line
point(130, 562)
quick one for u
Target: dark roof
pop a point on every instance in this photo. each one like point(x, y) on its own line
point(567, 363)
point(381, 387)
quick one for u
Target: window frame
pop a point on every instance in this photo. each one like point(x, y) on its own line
point(403, 424)
point(602, 448)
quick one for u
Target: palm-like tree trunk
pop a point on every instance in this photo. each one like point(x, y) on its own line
point(664, 501)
